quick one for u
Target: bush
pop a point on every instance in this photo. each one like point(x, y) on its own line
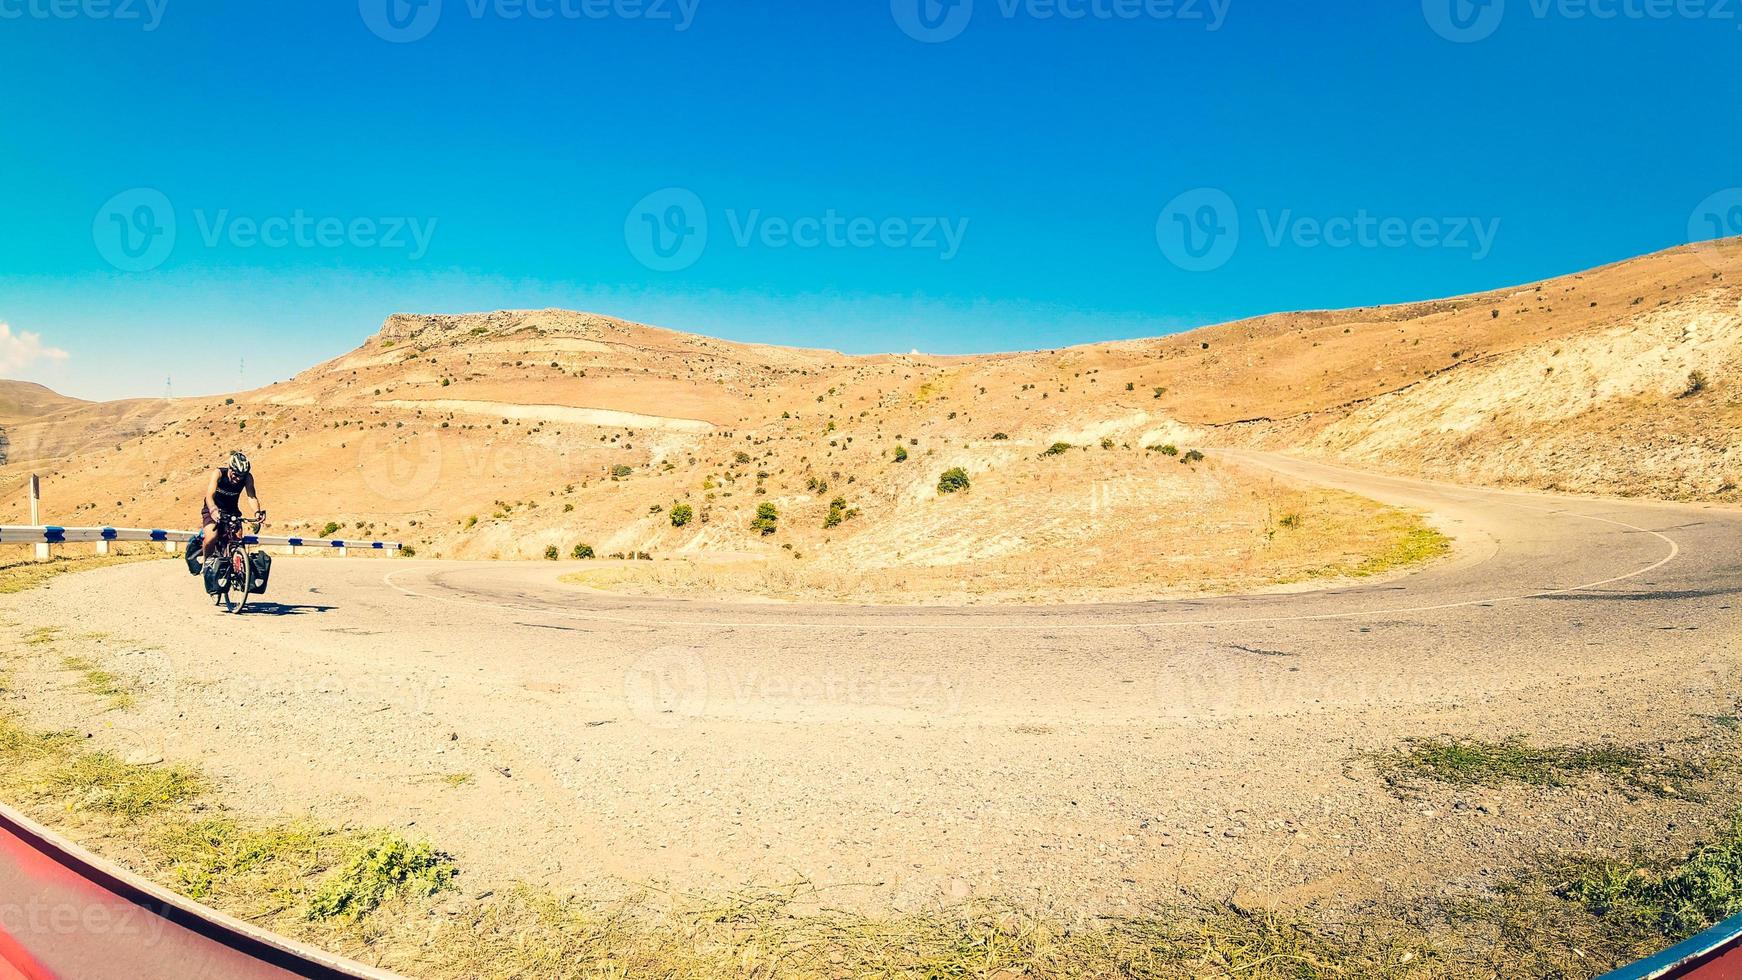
point(901, 454)
point(953, 480)
point(837, 513)
point(682, 514)
point(620, 471)
point(1057, 449)
point(1000, 437)
point(551, 553)
point(1166, 450)
point(582, 552)
point(1696, 384)
point(1106, 444)
point(1192, 457)
point(767, 519)
point(390, 866)
point(331, 529)
point(408, 552)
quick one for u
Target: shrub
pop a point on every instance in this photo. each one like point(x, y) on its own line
point(741, 457)
point(1057, 449)
point(901, 454)
point(1000, 437)
point(682, 514)
point(620, 471)
point(1696, 384)
point(582, 552)
point(408, 552)
point(953, 480)
point(331, 529)
point(1168, 449)
point(767, 519)
point(551, 553)
point(1106, 444)
point(1160, 391)
point(387, 867)
point(837, 513)
point(1192, 457)
point(1289, 520)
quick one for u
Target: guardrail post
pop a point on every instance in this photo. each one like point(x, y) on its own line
point(36, 513)
point(102, 547)
point(344, 552)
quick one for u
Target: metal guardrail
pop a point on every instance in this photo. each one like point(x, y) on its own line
point(51, 534)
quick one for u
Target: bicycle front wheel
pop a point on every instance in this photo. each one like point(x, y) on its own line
point(240, 579)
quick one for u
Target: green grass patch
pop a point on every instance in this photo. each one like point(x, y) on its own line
point(1416, 546)
point(387, 867)
point(1580, 917)
point(1472, 762)
point(1672, 901)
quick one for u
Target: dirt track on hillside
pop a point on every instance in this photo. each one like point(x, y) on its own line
point(1094, 758)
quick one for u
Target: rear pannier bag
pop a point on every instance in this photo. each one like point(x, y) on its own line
point(260, 572)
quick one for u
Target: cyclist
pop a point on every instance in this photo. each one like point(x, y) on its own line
point(224, 492)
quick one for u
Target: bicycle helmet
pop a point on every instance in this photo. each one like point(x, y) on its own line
point(239, 464)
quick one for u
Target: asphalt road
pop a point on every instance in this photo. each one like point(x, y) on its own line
point(1088, 757)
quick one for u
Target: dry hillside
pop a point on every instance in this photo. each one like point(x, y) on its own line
point(508, 433)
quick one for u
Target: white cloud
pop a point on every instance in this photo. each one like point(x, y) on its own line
point(23, 349)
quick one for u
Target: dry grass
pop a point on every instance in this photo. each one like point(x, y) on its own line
point(20, 573)
point(100, 683)
point(1219, 533)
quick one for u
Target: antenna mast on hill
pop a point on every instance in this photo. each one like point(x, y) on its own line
point(169, 387)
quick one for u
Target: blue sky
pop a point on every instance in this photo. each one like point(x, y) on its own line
point(990, 175)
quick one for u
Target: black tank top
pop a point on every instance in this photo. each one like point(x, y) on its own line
point(229, 494)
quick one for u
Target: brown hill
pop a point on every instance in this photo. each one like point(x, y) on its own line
point(21, 401)
point(508, 433)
